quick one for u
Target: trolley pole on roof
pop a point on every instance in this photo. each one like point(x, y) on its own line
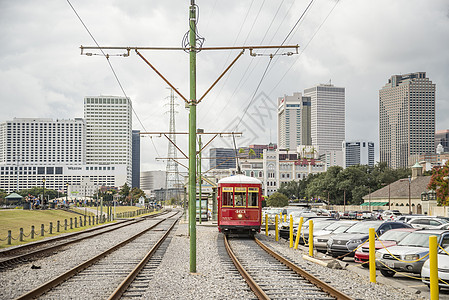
point(192, 137)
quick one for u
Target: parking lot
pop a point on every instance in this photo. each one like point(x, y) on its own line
point(402, 242)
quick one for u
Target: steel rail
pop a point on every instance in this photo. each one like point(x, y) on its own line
point(314, 280)
point(121, 289)
point(257, 290)
point(12, 260)
point(63, 277)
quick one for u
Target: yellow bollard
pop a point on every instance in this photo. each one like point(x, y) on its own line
point(310, 238)
point(372, 256)
point(285, 218)
point(433, 264)
point(276, 229)
point(298, 232)
point(266, 224)
point(291, 232)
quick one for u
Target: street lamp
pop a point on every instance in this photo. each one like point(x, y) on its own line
point(67, 193)
point(409, 195)
point(43, 193)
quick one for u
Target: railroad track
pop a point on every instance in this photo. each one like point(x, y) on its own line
point(25, 253)
point(270, 276)
point(109, 274)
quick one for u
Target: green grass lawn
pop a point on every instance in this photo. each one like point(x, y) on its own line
point(14, 219)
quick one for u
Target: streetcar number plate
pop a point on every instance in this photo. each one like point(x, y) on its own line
point(240, 211)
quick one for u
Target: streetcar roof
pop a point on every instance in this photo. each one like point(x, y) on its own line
point(240, 179)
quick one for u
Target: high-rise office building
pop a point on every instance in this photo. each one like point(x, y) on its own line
point(136, 159)
point(109, 131)
point(222, 158)
point(294, 121)
point(358, 153)
point(406, 118)
point(327, 116)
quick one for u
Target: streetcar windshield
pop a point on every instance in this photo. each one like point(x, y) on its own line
point(240, 196)
point(227, 197)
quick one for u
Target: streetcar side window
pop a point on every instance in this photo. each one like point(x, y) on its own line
point(226, 196)
point(253, 195)
point(240, 196)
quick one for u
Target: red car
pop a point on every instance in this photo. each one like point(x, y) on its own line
point(388, 239)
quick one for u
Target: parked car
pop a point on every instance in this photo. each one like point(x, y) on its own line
point(284, 227)
point(367, 215)
point(334, 214)
point(388, 239)
point(443, 269)
point(427, 222)
point(352, 215)
point(318, 224)
point(320, 238)
point(346, 242)
point(390, 214)
point(413, 247)
point(345, 215)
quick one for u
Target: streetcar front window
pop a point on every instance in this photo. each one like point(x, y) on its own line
point(240, 196)
point(252, 198)
point(226, 196)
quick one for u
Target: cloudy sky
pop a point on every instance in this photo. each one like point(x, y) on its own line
point(353, 44)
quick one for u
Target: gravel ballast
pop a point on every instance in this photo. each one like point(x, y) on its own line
point(215, 277)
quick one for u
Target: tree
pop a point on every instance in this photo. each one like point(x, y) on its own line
point(125, 192)
point(251, 153)
point(136, 193)
point(439, 183)
point(277, 200)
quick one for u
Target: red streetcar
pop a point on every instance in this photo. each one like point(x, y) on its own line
point(239, 204)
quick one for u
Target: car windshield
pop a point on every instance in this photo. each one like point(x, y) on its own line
point(333, 226)
point(318, 225)
point(342, 228)
point(363, 227)
point(393, 235)
point(296, 213)
point(417, 239)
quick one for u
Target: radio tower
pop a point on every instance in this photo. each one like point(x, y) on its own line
point(171, 171)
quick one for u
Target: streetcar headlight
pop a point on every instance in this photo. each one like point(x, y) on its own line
point(239, 216)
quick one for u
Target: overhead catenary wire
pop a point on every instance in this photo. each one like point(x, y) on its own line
point(112, 69)
point(304, 48)
point(268, 65)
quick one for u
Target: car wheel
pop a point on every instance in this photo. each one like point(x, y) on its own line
point(365, 264)
point(387, 273)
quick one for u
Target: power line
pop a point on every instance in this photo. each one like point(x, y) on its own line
point(304, 48)
point(112, 69)
point(269, 62)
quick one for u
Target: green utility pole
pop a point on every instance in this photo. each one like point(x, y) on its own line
point(192, 102)
point(192, 138)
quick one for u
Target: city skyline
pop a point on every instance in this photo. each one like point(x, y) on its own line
point(352, 44)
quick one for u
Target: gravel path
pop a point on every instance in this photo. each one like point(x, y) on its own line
point(172, 280)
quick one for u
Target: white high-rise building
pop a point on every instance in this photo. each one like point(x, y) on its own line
point(327, 116)
point(293, 121)
point(109, 131)
point(51, 153)
point(39, 141)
